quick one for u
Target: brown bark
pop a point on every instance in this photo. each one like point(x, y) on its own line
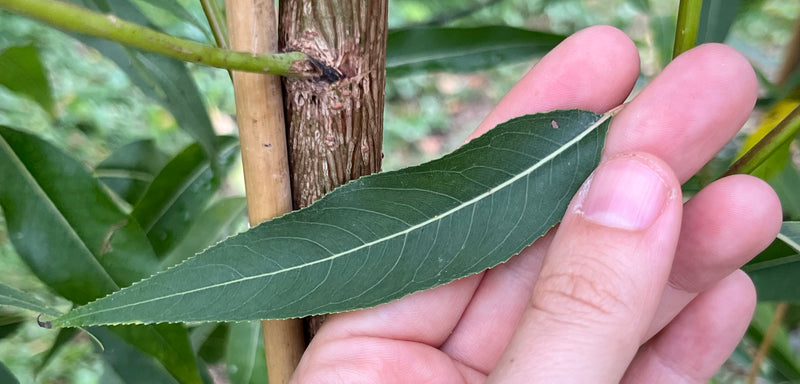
point(335, 129)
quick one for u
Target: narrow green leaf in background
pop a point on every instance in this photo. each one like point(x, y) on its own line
point(165, 80)
point(64, 336)
point(6, 377)
point(167, 343)
point(180, 192)
point(21, 71)
point(244, 355)
point(11, 321)
point(212, 225)
point(127, 365)
point(775, 271)
point(716, 19)
point(18, 299)
point(663, 30)
point(786, 184)
point(783, 360)
point(463, 49)
point(129, 170)
point(64, 225)
point(178, 11)
point(380, 237)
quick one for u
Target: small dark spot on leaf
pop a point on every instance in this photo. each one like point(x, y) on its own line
point(267, 145)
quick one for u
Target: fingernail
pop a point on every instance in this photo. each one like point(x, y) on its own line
point(625, 193)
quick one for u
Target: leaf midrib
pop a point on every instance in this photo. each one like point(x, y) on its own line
point(435, 218)
point(31, 180)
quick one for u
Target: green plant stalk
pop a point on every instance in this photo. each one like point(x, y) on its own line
point(73, 18)
point(688, 25)
point(216, 20)
point(779, 136)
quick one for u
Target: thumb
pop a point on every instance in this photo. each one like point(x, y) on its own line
point(602, 277)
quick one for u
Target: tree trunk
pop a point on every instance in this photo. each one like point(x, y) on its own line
point(335, 123)
point(335, 129)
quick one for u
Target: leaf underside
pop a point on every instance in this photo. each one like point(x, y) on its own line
point(380, 237)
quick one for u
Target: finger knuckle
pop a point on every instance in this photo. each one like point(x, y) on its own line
point(581, 292)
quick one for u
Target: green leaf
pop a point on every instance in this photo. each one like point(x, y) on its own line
point(786, 184)
point(180, 193)
point(129, 170)
point(168, 343)
point(165, 80)
point(245, 354)
point(126, 364)
point(18, 299)
point(780, 353)
point(663, 30)
point(177, 10)
point(21, 71)
point(64, 336)
point(774, 272)
point(462, 49)
point(210, 340)
point(380, 237)
point(716, 19)
point(64, 225)
point(10, 323)
point(212, 225)
point(6, 376)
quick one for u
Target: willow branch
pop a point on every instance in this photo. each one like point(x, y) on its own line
point(779, 136)
point(688, 24)
point(216, 20)
point(72, 18)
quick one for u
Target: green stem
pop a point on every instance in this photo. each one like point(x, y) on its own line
point(216, 20)
point(688, 24)
point(778, 137)
point(73, 18)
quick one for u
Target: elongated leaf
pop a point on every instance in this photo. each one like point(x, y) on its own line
point(380, 237)
point(18, 299)
point(663, 30)
point(67, 228)
point(126, 364)
point(165, 80)
point(780, 354)
point(64, 336)
point(177, 10)
point(462, 49)
point(10, 322)
point(168, 343)
point(775, 271)
point(180, 193)
point(244, 356)
point(6, 376)
point(716, 19)
point(779, 159)
point(212, 225)
point(786, 184)
point(22, 72)
point(130, 169)
point(63, 223)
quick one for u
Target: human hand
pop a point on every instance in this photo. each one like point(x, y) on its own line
point(633, 286)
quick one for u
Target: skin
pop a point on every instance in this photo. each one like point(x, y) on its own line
point(659, 302)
